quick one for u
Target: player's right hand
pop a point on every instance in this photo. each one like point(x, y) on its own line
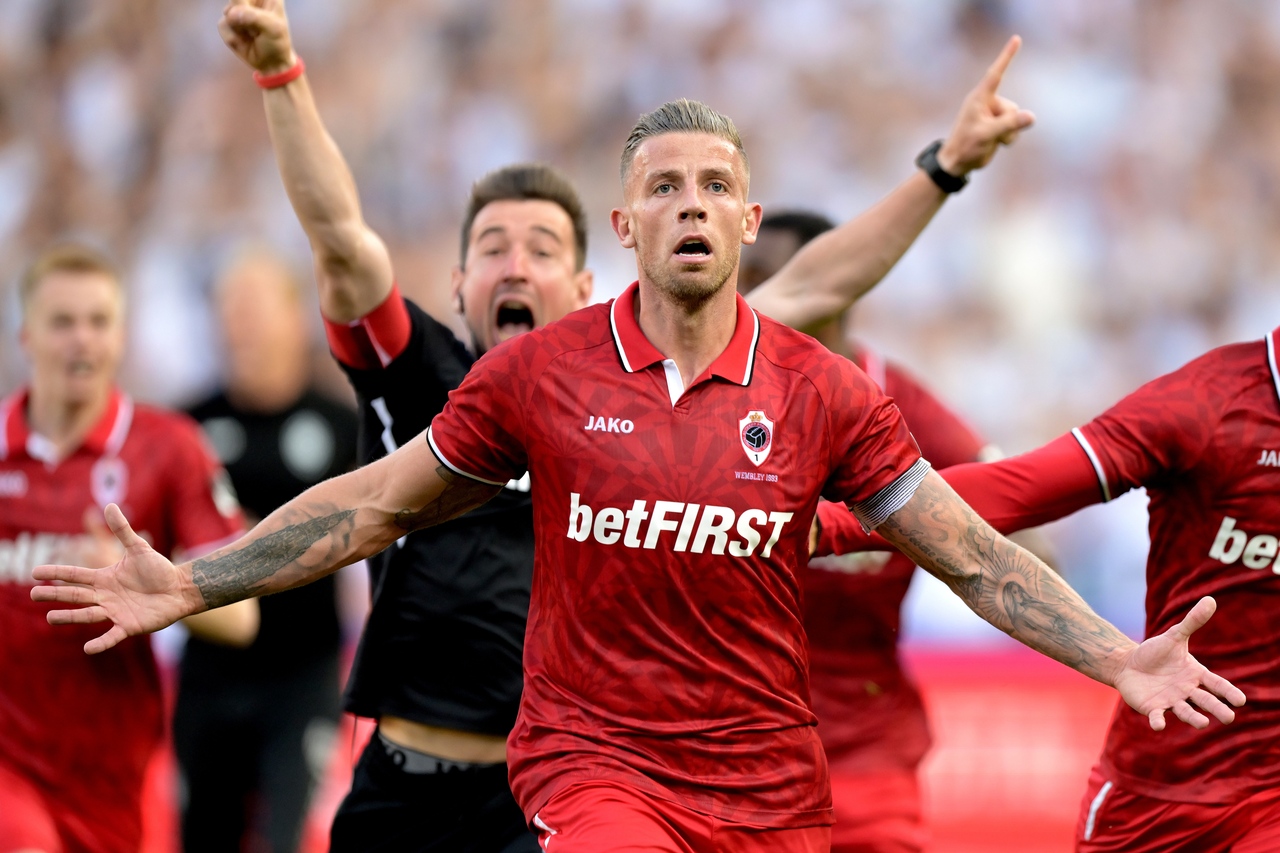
point(986, 120)
point(257, 31)
point(141, 593)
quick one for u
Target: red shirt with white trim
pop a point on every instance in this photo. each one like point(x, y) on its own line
point(870, 715)
point(82, 728)
point(665, 649)
point(1205, 442)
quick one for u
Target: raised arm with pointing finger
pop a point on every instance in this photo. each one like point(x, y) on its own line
point(832, 271)
point(355, 274)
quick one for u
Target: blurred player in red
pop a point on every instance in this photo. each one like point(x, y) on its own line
point(678, 443)
point(1204, 441)
point(870, 716)
point(76, 733)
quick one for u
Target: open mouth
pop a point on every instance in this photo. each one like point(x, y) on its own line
point(693, 249)
point(513, 318)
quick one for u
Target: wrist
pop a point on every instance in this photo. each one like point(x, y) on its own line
point(193, 600)
point(949, 160)
point(282, 73)
point(930, 164)
point(1109, 669)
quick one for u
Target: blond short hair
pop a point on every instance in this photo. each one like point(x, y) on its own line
point(65, 257)
point(682, 116)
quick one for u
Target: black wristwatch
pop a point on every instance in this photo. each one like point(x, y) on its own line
point(947, 182)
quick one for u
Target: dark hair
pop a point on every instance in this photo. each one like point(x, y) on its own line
point(528, 182)
point(682, 116)
point(65, 257)
point(805, 225)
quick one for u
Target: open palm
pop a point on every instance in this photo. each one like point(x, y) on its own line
point(1161, 674)
point(143, 592)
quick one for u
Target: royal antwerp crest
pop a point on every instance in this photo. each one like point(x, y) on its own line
point(756, 433)
point(108, 481)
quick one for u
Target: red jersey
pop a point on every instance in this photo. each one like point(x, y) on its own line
point(82, 728)
point(665, 649)
point(870, 716)
point(1205, 442)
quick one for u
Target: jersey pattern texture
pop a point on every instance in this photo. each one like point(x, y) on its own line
point(1203, 440)
point(666, 648)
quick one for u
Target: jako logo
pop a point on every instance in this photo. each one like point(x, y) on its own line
point(708, 533)
point(603, 424)
point(1232, 544)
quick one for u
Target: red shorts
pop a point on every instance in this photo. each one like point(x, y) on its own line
point(25, 820)
point(877, 813)
point(73, 820)
point(594, 816)
point(1112, 819)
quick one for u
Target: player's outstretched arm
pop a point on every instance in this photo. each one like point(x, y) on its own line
point(1011, 589)
point(353, 268)
point(832, 271)
point(328, 526)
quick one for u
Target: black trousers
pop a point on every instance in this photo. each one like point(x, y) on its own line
point(467, 810)
point(251, 755)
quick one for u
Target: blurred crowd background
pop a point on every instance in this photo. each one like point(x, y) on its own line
point(1135, 227)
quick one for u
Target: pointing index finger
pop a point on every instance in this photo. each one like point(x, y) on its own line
point(991, 80)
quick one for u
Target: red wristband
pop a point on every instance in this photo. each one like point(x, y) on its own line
point(283, 78)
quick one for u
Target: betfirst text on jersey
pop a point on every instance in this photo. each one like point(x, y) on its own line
point(1253, 551)
point(694, 528)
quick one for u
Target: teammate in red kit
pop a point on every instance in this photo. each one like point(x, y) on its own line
point(679, 443)
point(870, 716)
point(1203, 441)
point(76, 733)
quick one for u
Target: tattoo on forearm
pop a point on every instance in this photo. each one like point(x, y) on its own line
point(1001, 582)
point(227, 578)
point(460, 495)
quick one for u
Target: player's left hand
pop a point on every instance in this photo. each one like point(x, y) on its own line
point(1161, 675)
point(986, 120)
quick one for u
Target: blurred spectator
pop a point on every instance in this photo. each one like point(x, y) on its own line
point(253, 727)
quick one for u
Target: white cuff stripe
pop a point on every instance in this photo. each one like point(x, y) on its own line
point(1271, 360)
point(454, 468)
point(1095, 462)
point(872, 512)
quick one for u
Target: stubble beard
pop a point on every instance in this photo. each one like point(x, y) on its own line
point(690, 288)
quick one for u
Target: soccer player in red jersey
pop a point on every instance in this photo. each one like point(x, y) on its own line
point(454, 597)
point(77, 733)
point(870, 715)
point(678, 443)
point(1204, 441)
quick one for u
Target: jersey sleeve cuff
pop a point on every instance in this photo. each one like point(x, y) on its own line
point(1096, 462)
point(444, 460)
point(872, 512)
point(374, 340)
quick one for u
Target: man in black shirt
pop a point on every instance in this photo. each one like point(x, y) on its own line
point(439, 665)
point(253, 726)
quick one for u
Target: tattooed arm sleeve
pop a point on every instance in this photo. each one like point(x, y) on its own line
point(1003, 583)
point(338, 522)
